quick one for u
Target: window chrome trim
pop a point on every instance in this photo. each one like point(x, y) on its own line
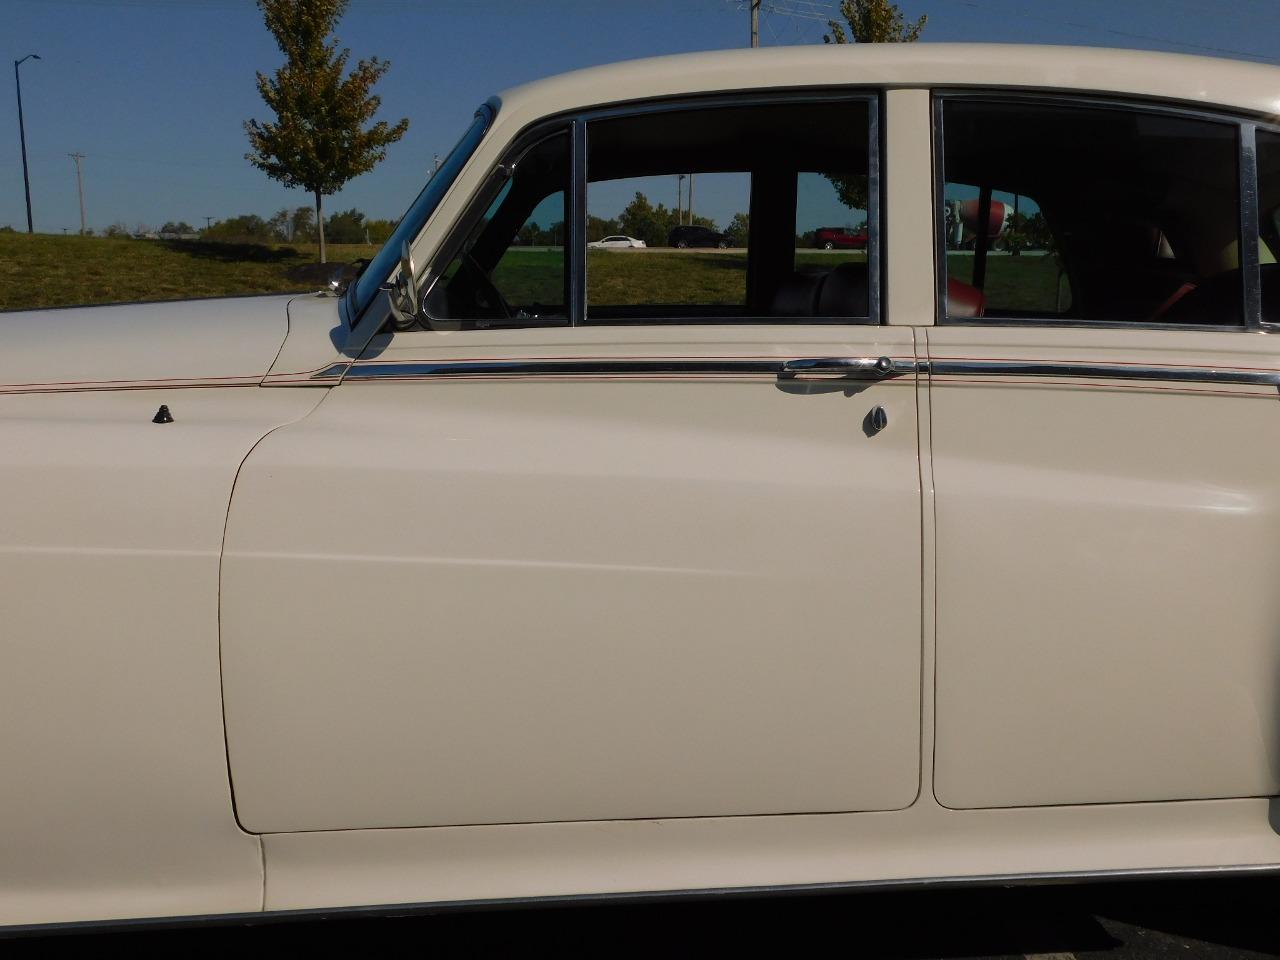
point(1250, 225)
point(576, 229)
point(1096, 101)
point(875, 212)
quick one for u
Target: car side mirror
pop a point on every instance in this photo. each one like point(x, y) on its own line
point(403, 293)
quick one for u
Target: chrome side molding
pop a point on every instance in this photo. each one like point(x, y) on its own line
point(862, 368)
point(1100, 371)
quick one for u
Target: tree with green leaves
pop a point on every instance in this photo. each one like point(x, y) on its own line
point(867, 21)
point(319, 139)
point(872, 21)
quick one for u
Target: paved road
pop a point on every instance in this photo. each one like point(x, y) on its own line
point(1184, 919)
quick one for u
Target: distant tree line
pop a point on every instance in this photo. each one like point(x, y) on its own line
point(299, 226)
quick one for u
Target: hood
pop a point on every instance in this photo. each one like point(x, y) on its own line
point(128, 346)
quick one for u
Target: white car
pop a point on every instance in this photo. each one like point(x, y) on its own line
point(499, 577)
point(617, 243)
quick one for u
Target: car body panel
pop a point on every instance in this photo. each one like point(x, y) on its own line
point(204, 343)
point(1106, 553)
point(116, 801)
point(622, 670)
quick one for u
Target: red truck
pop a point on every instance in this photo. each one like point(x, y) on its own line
point(840, 238)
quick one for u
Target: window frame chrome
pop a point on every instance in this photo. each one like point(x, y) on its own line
point(1246, 196)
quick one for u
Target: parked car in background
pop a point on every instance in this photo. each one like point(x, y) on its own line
point(697, 236)
point(616, 243)
point(840, 238)
point(500, 577)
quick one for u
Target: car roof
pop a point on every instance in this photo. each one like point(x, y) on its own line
point(1206, 81)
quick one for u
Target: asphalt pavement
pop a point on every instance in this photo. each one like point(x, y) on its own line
point(1217, 919)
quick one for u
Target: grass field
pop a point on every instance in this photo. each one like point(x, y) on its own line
point(1016, 283)
point(49, 271)
point(52, 271)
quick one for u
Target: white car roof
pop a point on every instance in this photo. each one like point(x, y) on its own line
point(1207, 81)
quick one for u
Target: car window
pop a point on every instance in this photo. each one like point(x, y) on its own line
point(727, 202)
point(1064, 212)
point(511, 269)
point(1269, 222)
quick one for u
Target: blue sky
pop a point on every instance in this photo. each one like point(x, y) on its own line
point(155, 92)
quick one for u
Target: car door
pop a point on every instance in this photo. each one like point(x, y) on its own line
point(655, 558)
point(1105, 454)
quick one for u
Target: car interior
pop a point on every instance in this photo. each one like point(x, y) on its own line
point(1143, 208)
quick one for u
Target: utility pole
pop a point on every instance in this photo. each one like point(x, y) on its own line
point(679, 199)
point(755, 22)
point(208, 222)
point(77, 157)
point(691, 198)
point(22, 133)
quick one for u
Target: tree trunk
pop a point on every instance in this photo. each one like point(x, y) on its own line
point(320, 226)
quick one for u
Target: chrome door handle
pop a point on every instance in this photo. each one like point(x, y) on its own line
point(877, 368)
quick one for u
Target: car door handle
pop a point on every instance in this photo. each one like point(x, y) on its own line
point(874, 368)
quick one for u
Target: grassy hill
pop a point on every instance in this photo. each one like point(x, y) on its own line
point(45, 270)
point(51, 271)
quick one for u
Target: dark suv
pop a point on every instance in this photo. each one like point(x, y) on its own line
point(694, 236)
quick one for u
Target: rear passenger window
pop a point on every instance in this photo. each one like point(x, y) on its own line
point(1060, 212)
point(737, 213)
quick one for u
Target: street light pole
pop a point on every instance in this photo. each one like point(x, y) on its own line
point(22, 133)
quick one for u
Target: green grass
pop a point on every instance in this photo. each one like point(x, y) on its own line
point(1016, 283)
point(627, 278)
point(50, 271)
point(44, 270)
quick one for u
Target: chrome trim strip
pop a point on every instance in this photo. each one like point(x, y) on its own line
point(875, 368)
point(875, 213)
point(859, 367)
point(429, 907)
point(576, 295)
point(1250, 224)
point(1105, 371)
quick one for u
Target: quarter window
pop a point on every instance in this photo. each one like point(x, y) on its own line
point(1058, 212)
point(511, 269)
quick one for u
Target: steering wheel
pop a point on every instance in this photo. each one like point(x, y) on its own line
point(486, 294)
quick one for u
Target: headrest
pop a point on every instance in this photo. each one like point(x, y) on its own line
point(964, 300)
point(844, 292)
point(797, 295)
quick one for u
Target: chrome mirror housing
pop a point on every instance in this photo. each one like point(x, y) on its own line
point(403, 292)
